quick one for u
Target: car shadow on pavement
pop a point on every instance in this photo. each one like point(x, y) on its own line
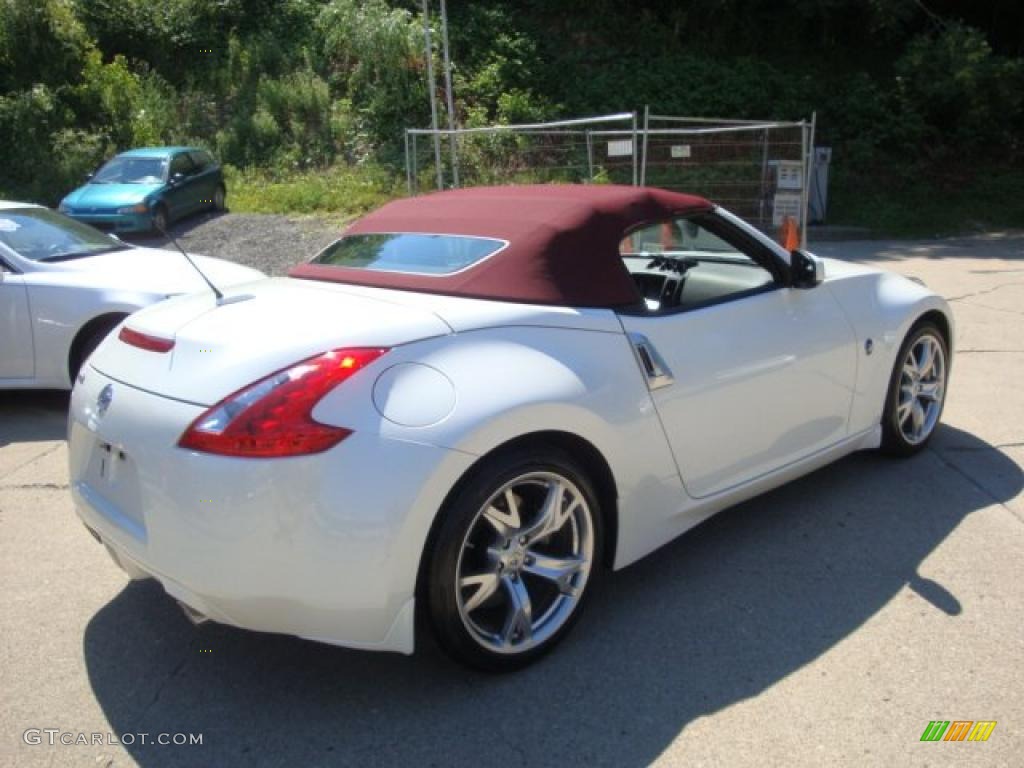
point(711, 619)
point(179, 230)
point(33, 416)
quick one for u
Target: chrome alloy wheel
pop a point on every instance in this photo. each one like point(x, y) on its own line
point(525, 562)
point(922, 387)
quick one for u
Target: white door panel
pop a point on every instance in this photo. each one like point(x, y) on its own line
point(16, 352)
point(757, 382)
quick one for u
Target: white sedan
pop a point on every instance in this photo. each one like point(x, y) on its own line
point(65, 285)
point(476, 399)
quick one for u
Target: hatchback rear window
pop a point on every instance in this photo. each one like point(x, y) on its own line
point(417, 254)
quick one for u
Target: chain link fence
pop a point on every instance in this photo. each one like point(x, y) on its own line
point(757, 169)
point(567, 151)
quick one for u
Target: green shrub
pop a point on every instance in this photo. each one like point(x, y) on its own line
point(965, 97)
point(373, 56)
point(341, 190)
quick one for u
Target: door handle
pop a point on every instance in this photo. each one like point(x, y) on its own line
point(653, 365)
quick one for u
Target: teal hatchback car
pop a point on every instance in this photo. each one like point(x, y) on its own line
point(147, 189)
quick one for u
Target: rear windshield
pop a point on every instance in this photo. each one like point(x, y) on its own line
point(409, 253)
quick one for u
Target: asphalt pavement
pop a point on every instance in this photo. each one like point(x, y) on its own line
point(825, 623)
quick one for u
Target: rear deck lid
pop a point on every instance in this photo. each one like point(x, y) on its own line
point(259, 329)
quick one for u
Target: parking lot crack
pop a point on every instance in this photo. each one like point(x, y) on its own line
point(37, 487)
point(983, 292)
point(990, 351)
point(24, 464)
point(169, 678)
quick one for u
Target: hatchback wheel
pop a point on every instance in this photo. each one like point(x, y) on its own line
point(160, 219)
point(514, 559)
point(917, 391)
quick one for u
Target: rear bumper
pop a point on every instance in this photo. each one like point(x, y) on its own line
point(116, 222)
point(325, 547)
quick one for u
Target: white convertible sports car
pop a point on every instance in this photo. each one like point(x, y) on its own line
point(476, 399)
point(65, 285)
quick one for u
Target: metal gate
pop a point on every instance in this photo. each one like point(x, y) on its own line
point(568, 151)
point(758, 169)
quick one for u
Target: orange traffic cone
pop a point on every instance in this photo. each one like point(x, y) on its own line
point(789, 235)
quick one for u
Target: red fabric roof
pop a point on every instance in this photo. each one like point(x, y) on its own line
point(563, 241)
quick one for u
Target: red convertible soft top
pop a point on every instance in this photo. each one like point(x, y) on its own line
point(563, 241)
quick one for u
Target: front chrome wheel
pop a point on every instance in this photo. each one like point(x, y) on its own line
point(524, 562)
point(922, 388)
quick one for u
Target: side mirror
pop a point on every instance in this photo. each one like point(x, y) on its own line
point(88, 177)
point(805, 269)
point(177, 178)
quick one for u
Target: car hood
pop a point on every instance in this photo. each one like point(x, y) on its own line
point(144, 271)
point(259, 328)
point(109, 195)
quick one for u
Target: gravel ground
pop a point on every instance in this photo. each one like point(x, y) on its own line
point(271, 243)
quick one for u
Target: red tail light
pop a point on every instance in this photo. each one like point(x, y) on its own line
point(273, 417)
point(145, 341)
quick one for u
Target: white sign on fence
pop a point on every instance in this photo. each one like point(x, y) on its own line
point(621, 148)
point(680, 151)
point(786, 204)
point(790, 174)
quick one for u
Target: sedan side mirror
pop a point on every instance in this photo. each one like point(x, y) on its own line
point(177, 178)
point(88, 177)
point(805, 269)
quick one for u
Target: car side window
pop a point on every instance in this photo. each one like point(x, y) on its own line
point(688, 263)
point(182, 164)
point(201, 160)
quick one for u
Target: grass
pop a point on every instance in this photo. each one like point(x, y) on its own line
point(343, 191)
point(912, 202)
point(899, 202)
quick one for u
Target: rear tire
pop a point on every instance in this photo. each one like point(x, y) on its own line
point(917, 391)
point(514, 559)
point(220, 198)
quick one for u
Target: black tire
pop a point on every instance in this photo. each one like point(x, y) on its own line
point(895, 441)
point(463, 519)
point(92, 340)
point(161, 219)
point(220, 198)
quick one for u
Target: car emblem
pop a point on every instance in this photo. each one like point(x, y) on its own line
point(103, 399)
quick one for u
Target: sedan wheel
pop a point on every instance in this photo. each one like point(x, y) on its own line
point(160, 219)
point(917, 391)
point(513, 562)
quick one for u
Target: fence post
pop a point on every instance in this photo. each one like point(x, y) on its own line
point(643, 158)
point(408, 168)
point(764, 177)
point(803, 186)
point(448, 95)
point(808, 170)
point(433, 94)
point(635, 152)
point(415, 168)
point(590, 157)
